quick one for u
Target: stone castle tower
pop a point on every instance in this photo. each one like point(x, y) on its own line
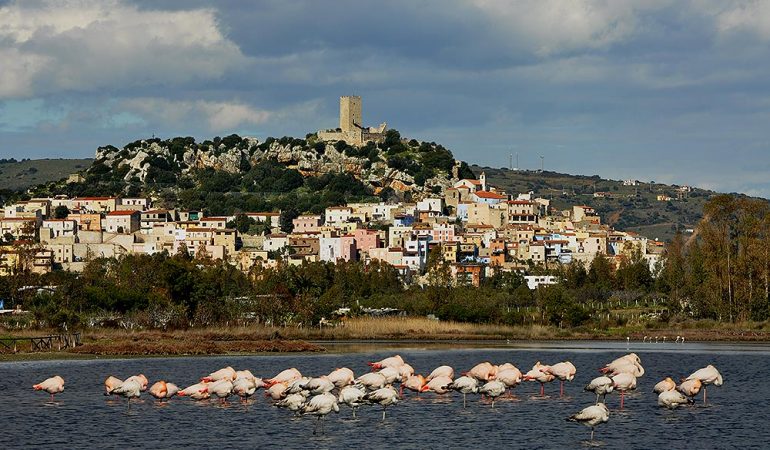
point(350, 112)
point(351, 129)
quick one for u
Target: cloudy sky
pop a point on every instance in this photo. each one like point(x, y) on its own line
point(674, 91)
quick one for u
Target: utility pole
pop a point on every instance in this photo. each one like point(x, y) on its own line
point(517, 161)
point(542, 163)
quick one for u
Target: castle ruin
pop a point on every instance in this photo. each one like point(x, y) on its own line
point(351, 131)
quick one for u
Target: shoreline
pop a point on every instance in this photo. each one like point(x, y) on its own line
point(367, 333)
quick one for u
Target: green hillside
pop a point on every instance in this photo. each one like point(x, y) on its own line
point(627, 208)
point(19, 175)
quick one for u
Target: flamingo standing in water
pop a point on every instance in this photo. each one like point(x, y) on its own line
point(600, 386)
point(540, 374)
point(484, 371)
point(666, 385)
point(285, 376)
point(278, 390)
point(163, 390)
point(394, 361)
point(53, 385)
point(441, 371)
point(197, 391)
point(341, 377)
point(465, 385)
point(244, 388)
point(623, 382)
point(413, 383)
point(131, 388)
point(292, 402)
point(493, 389)
point(352, 396)
point(690, 388)
point(372, 380)
point(672, 399)
point(592, 416)
point(384, 397)
point(439, 385)
point(319, 406)
point(707, 375)
point(227, 373)
point(111, 383)
point(564, 371)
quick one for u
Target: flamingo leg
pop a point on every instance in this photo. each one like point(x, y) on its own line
point(621, 399)
point(464, 404)
point(597, 399)
point(592, 433)
point(542, 389)
point(383, 412)
point(561, 388)
point(401, 391)
point(128, 403)
point(354, 412)
point(493, 403)
point(704, 395)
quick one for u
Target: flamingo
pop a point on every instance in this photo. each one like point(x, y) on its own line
point(394, 361)
point(690, 388)
point(385, 397)
point(131, 388)
point(297, 386)
point(53, 385)
point(623, 382)
point(319, 385)
point(493, 389)
point(226, 373)
point(111, 383)
point(287, 376)
point(629, 363)
point(413, 383)
point(321, 405)
point(564, 371)
point(196, 392)
point(600, 386)
point(405, 371)
point(391, 374)
point(540, 374)
point(244, 388)
point(592, 416)
point(141, 379)
point(465, 385)
point(341, 377)
point(484, 371)
point(707, 375)
point(162, 390)
point(445, 371)
point(439, 385)
point(352, 396)
point(666, 385)
point(221, 389)
point(244, 374)
point(372, 381)
point(672, 399)
point(292, 402)
point(277, 391)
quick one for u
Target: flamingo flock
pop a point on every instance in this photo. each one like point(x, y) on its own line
point(321, 395)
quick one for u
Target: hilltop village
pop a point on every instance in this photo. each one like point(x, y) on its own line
point(472, 226)
point(478, 229)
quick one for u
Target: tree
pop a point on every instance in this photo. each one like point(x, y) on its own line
point(286, 220)
point(61, 212)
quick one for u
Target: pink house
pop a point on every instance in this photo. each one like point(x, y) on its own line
point(367, 239)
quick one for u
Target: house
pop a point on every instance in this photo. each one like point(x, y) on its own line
point(96, 204)
point(58, 228)
point(148, 219)
point(490, 198)
point(535, 281)
point(133, 204)
point(467, 273)
point(214, 222)
point(273, 219)
point(473, 185)
point(122, 222)
point(307, 224)
point(367, 239)
point(19, 228)
point(338, 215)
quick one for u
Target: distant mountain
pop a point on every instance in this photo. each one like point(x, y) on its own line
point(18, 175)
point(652, 209)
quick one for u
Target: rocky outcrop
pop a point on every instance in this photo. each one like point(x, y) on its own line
point(141, 156)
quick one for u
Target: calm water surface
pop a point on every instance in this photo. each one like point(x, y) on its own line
point(81, 417)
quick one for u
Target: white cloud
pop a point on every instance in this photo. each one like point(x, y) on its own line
point(215, 115)
point(548, 27)
point(746, 16)
point(90, 45)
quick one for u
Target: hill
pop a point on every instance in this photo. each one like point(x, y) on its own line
point(231, 174)
point(625, 207)
point(19, 175)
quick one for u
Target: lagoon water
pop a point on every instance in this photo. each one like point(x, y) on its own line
point(81, 417)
